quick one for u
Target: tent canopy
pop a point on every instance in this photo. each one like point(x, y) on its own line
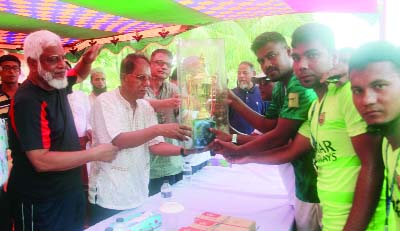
point(83, 22)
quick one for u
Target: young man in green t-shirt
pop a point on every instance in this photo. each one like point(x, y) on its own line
point(348, 162)
point(375, 79)
point(285, 114)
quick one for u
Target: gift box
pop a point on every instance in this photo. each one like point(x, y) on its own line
point(216, 222)
point(229, 220)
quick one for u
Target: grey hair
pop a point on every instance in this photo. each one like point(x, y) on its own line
point(36, 41)
point(96, 70)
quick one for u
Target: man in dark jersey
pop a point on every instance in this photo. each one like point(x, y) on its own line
point(45, 181)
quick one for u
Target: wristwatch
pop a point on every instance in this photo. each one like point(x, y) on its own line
point(234, 139)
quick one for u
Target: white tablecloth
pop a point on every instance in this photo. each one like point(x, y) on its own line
point(250, 191)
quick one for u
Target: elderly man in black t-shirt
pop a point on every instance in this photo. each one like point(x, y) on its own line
point(45, 181)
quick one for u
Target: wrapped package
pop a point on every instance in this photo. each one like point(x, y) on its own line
point(229, 220)
point(217, 222)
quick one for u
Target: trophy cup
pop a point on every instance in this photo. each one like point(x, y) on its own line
point(202, 83)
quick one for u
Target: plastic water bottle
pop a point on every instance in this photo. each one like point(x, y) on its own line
point(166, 191)
point(187, 173)
point(120, 225)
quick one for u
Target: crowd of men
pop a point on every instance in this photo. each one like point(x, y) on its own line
point(336, 141)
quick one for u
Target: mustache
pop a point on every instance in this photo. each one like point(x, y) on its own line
point(271, 68)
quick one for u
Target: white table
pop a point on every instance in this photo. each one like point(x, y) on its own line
point(250, 191)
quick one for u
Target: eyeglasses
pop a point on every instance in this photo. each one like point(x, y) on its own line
point(142, 78)
point(10, 68)
point(54, 59)
point(162, 63)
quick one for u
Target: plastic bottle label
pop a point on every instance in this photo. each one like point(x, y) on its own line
point(166, 194)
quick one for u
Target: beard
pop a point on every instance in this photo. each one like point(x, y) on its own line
point(244, 86)
point(98, 91)
point(53, 82)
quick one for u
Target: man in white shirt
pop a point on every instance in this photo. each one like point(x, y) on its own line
point(98, 82)
point(124, 118)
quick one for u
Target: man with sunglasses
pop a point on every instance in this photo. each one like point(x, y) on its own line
point(45, 186)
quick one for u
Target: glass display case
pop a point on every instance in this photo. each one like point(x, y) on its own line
point(202, 83)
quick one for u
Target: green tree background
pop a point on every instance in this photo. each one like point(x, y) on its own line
point(237, 35)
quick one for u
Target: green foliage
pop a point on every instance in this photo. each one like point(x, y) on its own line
point(237, 35)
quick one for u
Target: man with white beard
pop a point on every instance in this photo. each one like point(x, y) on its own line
point(249, 94)
point(45, 184)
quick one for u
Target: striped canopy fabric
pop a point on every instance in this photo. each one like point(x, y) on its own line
point(83, 22)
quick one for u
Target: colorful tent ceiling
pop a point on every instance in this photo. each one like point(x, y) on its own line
point(82, 22)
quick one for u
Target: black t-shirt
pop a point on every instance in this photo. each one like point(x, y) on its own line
point(41, 119)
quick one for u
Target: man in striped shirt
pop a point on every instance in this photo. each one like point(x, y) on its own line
point(10, 69)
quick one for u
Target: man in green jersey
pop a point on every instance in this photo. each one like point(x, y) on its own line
point(349, 164)
point(375, 80)
point(285, 114)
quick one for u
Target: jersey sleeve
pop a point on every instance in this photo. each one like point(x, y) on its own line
point(30, 122)
point(298, 102)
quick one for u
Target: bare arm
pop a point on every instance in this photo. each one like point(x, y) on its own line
point(280, 135)
point(162, 104)
point(241, 139)
point(44, 160)
point(139, 137)
point(369, 181)
point(280, 155)
point(165, 149)
point(84, 65)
